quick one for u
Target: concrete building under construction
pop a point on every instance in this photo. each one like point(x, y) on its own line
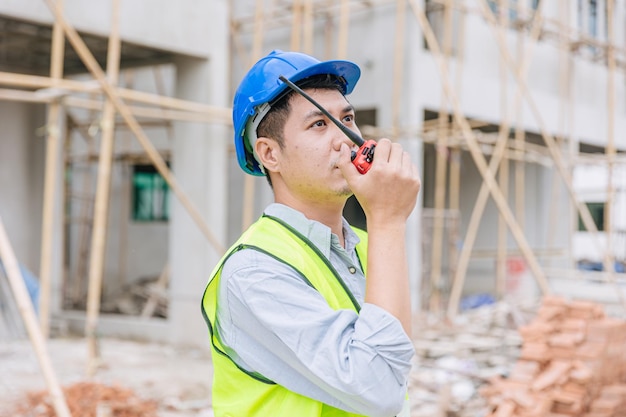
point(119, 188)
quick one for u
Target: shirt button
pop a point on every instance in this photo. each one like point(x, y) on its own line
point(352, 270)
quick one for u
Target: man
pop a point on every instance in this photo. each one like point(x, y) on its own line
point(296, 329)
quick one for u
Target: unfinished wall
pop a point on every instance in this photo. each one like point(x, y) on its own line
point(21, 178)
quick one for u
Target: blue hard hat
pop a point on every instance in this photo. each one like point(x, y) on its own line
point(261, 85)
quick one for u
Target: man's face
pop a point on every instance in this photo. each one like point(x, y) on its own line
point(311, 146)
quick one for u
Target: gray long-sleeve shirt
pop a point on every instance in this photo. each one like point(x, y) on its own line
point(275, 324)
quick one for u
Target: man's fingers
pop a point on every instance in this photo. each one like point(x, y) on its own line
point(345, 163)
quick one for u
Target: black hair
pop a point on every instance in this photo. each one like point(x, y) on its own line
point(273, 124)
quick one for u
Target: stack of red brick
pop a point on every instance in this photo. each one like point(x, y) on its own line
point(572, 363)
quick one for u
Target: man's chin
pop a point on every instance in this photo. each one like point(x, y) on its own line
point(345, 191)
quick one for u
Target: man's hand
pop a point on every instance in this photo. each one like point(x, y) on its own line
point(388, 191)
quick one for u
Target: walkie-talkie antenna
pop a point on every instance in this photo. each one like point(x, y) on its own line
point(354, 137)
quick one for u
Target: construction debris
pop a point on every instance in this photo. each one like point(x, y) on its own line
point(455, 359)
point(89, 399)
point(572, 363)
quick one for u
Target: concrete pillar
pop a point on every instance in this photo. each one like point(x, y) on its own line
point(200, 165)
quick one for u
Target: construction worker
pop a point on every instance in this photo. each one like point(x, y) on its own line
point(296, 328)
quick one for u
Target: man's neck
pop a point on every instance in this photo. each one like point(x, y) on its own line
point(327, 214)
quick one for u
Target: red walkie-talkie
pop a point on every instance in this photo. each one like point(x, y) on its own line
point(362, 158)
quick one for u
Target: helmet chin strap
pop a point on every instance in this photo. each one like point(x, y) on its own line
point(252, 125)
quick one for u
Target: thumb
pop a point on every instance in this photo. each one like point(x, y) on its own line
point(348, 170)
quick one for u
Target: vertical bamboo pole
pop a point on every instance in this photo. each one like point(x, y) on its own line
point(567, 103)
point(296, 26)
point(520, 163)
point(556, 203)
point(7, 256)
point(103, 186)
point(344, 22)
point(329, 36)
point(503, 172)
point(398, 66)
point(248, 181)
point(455, 153)
point(441, 170)
point(610, 142)
point(307, 27)
point(53, 146)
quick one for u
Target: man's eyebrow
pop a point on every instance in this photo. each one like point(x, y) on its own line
point(314, 113)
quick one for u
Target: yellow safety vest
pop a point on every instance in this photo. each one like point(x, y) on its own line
point(240, 393)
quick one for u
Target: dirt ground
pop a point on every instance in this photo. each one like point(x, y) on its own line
point(453, 360)
point(178, 380)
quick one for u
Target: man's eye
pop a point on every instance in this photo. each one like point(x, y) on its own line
point(319, 123)
point(348, 119)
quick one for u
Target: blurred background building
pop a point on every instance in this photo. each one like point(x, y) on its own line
point(120, 190)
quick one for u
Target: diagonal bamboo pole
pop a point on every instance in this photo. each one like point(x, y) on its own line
point(93, 67)
point(472, 231)
point(551, 144)
point(53, 148)
point(548, 138)
point(481, 201)
point(476, 153)
point(7, 256)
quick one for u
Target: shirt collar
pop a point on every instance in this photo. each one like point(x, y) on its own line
point(319, 234)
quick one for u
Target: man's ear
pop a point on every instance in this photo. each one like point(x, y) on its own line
point(268, 152)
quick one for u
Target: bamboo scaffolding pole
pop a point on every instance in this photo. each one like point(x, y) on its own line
point(476, 153)
point(296, 26)
point(21, 95)
point(90, 62)
point(344, 22)
point(398, 65)
point(248, 181)
point(568, 103)
point(66, 276)
point(101, 207)
point(455, 155)
point(565, 103)
point(441, 170)
point(51, 177)
point(548, 138)
point(25, 306)
point(503, 171)
point(329, 34)
point(472, 232)
point(307, 27)
point(610, 143)
point(63, 86)
point(86, 212)
point(146, 112)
